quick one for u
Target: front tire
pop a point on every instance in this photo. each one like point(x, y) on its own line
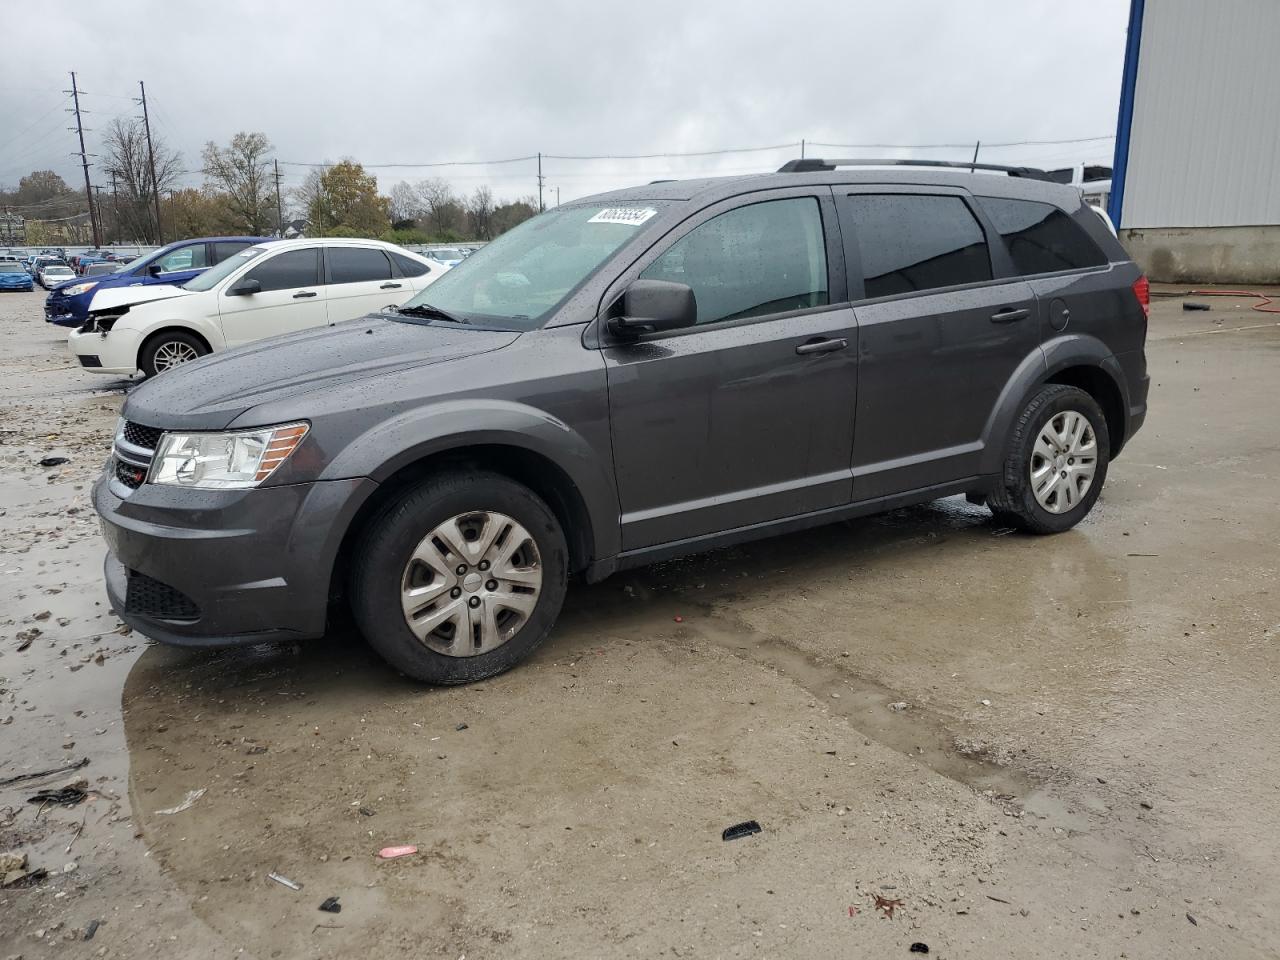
point(460, 577)
point(1055, 463)
point(169, 349)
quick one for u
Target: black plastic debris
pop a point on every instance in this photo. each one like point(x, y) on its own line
point(91, 929)
point(64, 796)
point(919, 947)
point(1189, 305)
point(331, 905)
point(37, 774)
point(461, 726)
point(1194, 921)
point(54, 461)
point(740, 830)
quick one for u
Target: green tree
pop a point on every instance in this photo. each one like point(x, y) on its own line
point(342, 201)
point(239, 174)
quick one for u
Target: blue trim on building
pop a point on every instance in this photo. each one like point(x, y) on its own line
point(1128, 84)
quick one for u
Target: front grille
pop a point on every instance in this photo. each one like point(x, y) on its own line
point(148, 597)
point(130, 475)
point(140, 436)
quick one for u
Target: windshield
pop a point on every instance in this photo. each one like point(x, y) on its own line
point(11, 266)
point(515, 281)
point(59, 271)
point(445, 254)
point(215, 275)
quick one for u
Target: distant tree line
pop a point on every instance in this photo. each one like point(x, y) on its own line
point(238, 196)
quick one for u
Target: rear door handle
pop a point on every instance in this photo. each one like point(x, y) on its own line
point(304, 293)
point(389, 286)
point(1010, 314)
point(821, 346)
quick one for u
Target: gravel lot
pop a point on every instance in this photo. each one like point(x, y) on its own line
point(1086, 764)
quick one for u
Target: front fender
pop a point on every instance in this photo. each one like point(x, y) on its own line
point(415, 434)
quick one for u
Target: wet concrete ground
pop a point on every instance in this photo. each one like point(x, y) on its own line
point(1085, 765)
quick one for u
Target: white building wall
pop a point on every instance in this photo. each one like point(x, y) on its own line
point(1204, 145)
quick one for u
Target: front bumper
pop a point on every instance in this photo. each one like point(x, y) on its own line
point(222, 567)
point(115, 352)
point(66, 311)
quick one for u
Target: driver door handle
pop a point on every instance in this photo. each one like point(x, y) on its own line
point(822, 346)
point(389, 286)
point(304, 293)
point(1010, 314)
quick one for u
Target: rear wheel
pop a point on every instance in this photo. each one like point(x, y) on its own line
point(169, 349)
point(459, 578)
point(1055, 463)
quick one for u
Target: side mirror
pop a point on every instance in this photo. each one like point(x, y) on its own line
point(245, 288)
point(154, 270)
point(651, 306)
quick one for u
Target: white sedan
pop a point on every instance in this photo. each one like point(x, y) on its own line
point(272, 288)
point(54, 274)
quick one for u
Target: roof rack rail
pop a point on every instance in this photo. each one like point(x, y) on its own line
point(813, 165)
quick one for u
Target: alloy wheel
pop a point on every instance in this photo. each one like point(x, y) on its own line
point(173, 352)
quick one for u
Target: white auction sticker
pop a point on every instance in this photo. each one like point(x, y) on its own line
point(631, 216)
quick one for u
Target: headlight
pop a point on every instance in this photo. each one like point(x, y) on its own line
point(237, 459)
point(78, 288)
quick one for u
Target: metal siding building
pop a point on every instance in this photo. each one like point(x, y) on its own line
point(1196, 193)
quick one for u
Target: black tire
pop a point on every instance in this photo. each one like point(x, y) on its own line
point(147, 356)
point(384, 550)
point(1013, 502)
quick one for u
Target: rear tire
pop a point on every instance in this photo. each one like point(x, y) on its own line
point(1055, 462)
point(475, 561)
point(169, 349)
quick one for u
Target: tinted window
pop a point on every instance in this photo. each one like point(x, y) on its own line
point(187, 258)
point(408, 266)
point(909, 242)
point(765, 258)
point(297, 268)
point(226, 248)
point(357, 264)
point(1040, 237)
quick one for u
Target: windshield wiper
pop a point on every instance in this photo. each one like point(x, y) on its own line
point(428, 312)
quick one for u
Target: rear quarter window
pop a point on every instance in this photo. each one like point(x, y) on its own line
point(1041, 238)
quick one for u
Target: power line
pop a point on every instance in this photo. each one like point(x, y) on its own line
point(956, 146)
point(662, 156)
point(437, 163)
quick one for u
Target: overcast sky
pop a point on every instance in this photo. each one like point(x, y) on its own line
point(410, 83)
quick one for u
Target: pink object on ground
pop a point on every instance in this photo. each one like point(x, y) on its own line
point(390, 853)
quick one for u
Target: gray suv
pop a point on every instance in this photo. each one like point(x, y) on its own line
point(643, 374)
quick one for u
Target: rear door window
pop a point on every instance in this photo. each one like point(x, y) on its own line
point(1040, 237)
point(752, 261)
point(408, 266)
point(357, 265)
point(226, 248)
point(296, 268)
point(910, 242)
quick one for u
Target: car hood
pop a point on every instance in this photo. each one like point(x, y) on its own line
point(113, 297)
point(212, 392)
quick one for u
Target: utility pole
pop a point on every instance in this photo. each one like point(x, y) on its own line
point(84, 161)
point(279, 206)
point(151, 158)
point(801, 148)
point(976, 147)
point(540, 208)
point(97, 196)
point(557, 196)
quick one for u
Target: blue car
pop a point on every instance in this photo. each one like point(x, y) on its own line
point(13, 276)
point(68, 304)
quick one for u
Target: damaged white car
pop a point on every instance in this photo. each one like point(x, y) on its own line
point(263, 291)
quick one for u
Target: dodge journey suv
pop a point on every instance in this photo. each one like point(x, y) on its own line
point(647, 373)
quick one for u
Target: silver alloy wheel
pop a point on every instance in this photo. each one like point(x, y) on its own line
point(471, 584)
point(1064, 461)
point(173, 352)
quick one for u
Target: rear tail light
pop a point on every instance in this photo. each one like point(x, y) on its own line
point(1142, 290)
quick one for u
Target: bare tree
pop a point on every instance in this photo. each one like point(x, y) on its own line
point(124, 147)
point(406, 205)
point(479, 208)
point(240, 173)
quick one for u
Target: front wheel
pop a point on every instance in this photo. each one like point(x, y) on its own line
point(1055, 463)
point(459, 578)
point(167, 350)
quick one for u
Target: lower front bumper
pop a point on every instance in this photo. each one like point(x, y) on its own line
point(247, 565)
point(113, 353)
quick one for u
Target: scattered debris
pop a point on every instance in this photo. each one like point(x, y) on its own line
point(853, 911)
point(390, 853)
point(919, 947)
point(679, 619)
point(367, 811)
point(886, 905)
point(898, 706)
point(91, 929)
point(740, 830)
point(985, 703)
point(27, 637)
point(191, 797)
point(331, 905)
point(1194, 921)
point(1145, 804)
point(23, 878)
point(284, 881)
point(63, 796)
point(256, 751)
point(461, 726)
point(65, 768)
point(12, 861)
point(1191, 305)
point(54, 461)
point(996, 899)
